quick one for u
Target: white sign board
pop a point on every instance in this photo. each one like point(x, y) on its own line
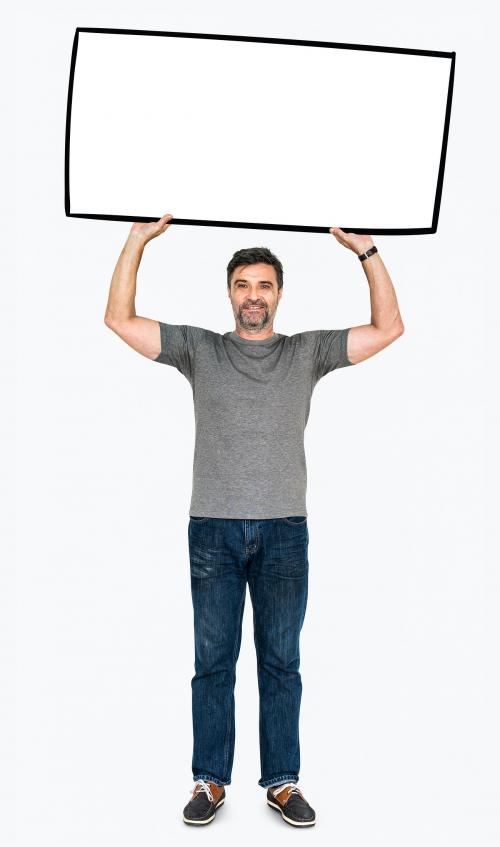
point(265, 133)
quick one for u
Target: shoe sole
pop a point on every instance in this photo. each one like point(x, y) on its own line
point(187, 820)
point(289, 820)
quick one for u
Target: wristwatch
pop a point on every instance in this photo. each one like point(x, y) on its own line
point(369, 252)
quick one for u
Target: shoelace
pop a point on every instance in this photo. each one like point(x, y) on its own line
point(201, 785)
point(292, 786)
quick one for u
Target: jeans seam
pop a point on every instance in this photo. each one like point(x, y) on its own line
point(231, 688)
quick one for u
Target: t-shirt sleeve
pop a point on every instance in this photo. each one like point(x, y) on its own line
point(329, 351)
point(178, 346)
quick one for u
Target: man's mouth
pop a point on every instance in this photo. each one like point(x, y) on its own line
point(253, 308)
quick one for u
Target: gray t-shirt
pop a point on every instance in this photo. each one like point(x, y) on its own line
point(251, 404)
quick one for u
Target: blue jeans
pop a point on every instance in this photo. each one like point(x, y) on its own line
point(271, 555)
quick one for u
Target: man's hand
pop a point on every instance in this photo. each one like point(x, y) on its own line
point(357, 243)
point(144, 232)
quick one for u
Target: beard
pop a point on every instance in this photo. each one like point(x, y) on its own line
point(253, 320)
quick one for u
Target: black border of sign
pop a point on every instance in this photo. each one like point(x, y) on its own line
point(245, 224)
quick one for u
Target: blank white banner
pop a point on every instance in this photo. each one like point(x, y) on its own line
point(252, 132)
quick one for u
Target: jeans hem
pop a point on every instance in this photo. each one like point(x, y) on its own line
point(208, 777)
point(275, 780)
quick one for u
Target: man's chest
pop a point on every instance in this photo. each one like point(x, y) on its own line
point(253, 396)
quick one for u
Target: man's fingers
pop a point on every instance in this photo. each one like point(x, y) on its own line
point(164, 222)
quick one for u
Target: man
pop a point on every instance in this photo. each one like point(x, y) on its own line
point(248, 520)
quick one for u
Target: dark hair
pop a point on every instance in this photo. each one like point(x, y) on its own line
point(253, 256)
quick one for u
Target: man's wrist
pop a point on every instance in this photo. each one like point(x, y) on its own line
point(361, 250)
point(135, 241)
point(368, 254)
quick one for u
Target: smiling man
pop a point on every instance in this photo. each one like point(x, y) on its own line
point(254, 294)
point(252, 389)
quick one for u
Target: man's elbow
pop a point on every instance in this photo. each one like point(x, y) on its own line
point(397, 328)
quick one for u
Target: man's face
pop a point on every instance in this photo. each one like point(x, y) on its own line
point(254, 285)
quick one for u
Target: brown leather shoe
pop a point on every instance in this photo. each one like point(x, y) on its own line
point(206, 799)
point(289, 800)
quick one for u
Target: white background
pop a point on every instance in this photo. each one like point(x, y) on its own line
point(399, 650)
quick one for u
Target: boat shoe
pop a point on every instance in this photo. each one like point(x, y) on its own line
point(289, 800)
point(206, 799)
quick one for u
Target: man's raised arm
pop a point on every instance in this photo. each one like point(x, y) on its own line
point(386, 322)
point(142, 334)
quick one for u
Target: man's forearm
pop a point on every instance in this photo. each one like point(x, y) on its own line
point(384, 305)
point(121, 300)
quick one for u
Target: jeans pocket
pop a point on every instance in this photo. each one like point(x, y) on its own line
point(299, 520)
point(198, 520)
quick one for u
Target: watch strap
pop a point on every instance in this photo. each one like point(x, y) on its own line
point(369, 252)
